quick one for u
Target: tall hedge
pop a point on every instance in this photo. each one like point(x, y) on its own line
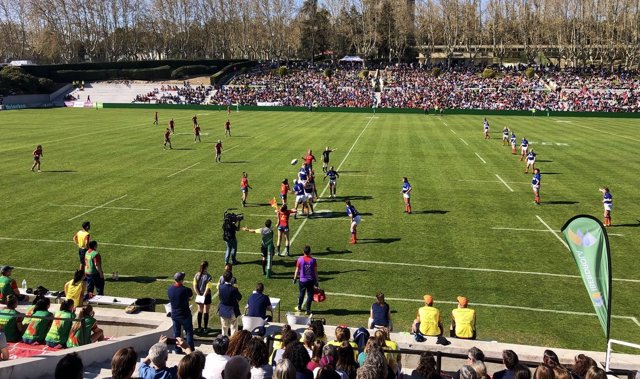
point(14, 80)
point(156, 73)
point(186, 71)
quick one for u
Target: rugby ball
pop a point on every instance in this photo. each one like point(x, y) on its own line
point(294, 161)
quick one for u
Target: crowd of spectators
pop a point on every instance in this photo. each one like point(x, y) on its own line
point(173, 94)
point(459, 87)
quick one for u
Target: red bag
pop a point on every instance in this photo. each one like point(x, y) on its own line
point(318, 295)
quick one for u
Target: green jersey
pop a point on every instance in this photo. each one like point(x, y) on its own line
point(5, 288)
point(266, 235)
point(59, 332)
point(37, 328)
point(80, 336)
point(9, 324)
point(90, 262)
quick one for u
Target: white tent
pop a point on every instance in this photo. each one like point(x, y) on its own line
point(352, 58)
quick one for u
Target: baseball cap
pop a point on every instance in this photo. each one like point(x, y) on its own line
point(179, 276)
point(6, 268)
point(462, 301)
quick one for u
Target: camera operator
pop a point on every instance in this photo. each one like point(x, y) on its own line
point(229, 228)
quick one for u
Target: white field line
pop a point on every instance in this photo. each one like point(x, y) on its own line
point(184, 169)
point(490, 181)
point(452, 131)
point(445, 124)
point(479, 157)
point(554, 232)
point(229, 149)
point(401, 264)
point(465, 142)
point(98, 207)
point(327, 185)
point(503, 182)
point(546, 231)
point(603, 132)
point(91, 206)
point(501, 306)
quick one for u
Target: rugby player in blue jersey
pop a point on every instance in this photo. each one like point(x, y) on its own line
point(485, 124)
point(535, 186)
point(514, 142)
point(505, 136)
point(406, 194)
point(607, 202)
point(524, 148)
point(333, 177)
point(355, 221)
point(531, 162)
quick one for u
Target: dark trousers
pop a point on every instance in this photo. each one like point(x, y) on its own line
point(94, 281)
point(306, 287)
point(187, 325)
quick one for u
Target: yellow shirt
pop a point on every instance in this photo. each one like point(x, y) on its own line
point(81, 239)
point(429, 319)
point(465, 319)
point(75, 292)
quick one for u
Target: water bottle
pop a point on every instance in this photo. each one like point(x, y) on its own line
point(24, 284)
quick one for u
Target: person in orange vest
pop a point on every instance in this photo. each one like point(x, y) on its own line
point(463, 320)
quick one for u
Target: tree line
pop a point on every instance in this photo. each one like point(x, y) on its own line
point(580, 32)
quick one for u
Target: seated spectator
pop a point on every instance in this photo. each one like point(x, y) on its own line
point(463, 320)
point(154, 366)
point(550, 358)
point(69, 367)
point(521, 372)
point(328, 372)
point(215, 362)
point(543, 372)
point(380, 313)
point(329, 358)
point(317, 327)
point(561, 372)
point(510, 360)
point(393, 359)
point(428, 322)
point(481, 370)
point(346, 360)
point(257, 354)
point(375, 366)
point(289, 337)
point(8, 286)
point(4, 350)
point(426, 367)
point(91, 333)
point(299, 357)
point(238, 342)
point(37, 329)
point(473, 355)
point(595, 372)
point(284, 370)
point(581, 365)
point(343, 334)
point(190, 366)
point(238, 367)
point(307, 340)
point(60, 328)
point(316, 355)
point(75, 289)
point(258, 303)
point(467, 372)
point(123, 363)
point(10, 324)
point(371, 344)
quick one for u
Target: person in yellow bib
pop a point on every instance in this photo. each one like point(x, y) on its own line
point(75, 289)
point(428, 322)
point(81, 239)
point(463, 320)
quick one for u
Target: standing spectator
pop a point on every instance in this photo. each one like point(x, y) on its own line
point(202, 287)
point(463, 320)
point(10, 324)
point(75, 288)
point(69, 367)
point(37, 328)
point(93, 269)
point(510, 360)
point(81, 239)
point(307, 270)
point(123, 363)
point(59, 331)
point(380, 314)
point(237, 368)
point(258, 303)
point(229, 228)
point(229, 308)
point(8, 286)
point(234, 281)
point(428, 320)
point(257, 353)
point(215, 361)
point(179, 297)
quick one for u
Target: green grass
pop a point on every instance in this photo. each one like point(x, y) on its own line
point(95, 156)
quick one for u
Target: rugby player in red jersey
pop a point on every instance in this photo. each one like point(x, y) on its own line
point(244, 187)
point(227, 128)
point(284, 190)
point(196, 133)
point(37, 153)
point(167, 139)
point(172, 126)
point(219, 151)
point(194, 119)
point(155, 119)
point(283, 228)
point(308, 160)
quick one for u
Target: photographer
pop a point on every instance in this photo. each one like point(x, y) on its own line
point(229, 228)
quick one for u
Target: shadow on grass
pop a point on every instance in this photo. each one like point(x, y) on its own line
point(343, 198)
point(57, 171)
point(430, 211)
point(544, 161)
point(340, 312)
point(329, 251)
point(561, 202)
point(335, 215)
point(629, 225)
point(550, 173)
point(233, 162)
point(136, 279)
point(378, 240)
